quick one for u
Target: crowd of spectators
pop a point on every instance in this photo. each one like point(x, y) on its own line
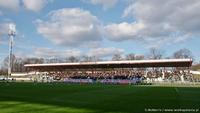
point(129, 75)
point(110, 74)
point(173, 75)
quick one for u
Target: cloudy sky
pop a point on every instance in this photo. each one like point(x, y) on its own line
point(54, 28)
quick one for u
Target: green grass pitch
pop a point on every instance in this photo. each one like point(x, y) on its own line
point(96, 98)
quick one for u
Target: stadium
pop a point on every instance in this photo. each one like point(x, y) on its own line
point(99, 56)
point(165, 85)
point(126, 72)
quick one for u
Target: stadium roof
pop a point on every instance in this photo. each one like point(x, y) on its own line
point(112, 64)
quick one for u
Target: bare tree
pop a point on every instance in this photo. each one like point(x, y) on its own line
point(6, 61)
point(34, 61)
point(90, 59)
point(130, 56)
point(86, 59)
point(155, 53)
point(72, 59)
point(17, 64)
point(139, 57)
point(117, 57)
point(183, 53)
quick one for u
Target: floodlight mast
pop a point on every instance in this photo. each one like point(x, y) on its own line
point(11, 34)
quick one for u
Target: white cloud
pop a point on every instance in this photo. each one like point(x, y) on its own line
point(105, 52)
point(92, 44)
point(70, 27)
point(125, 30)
point(34, 5)
point(161, 19)
point(15, 5)
point(105, 3)
point(49, 52)
point(10, 4)
point(62, 53)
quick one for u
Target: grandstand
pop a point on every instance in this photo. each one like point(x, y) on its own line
point(128, 72)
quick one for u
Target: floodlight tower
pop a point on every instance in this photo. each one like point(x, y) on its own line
point(11, 34)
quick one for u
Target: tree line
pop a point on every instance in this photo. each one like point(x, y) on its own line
point(154, 53)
